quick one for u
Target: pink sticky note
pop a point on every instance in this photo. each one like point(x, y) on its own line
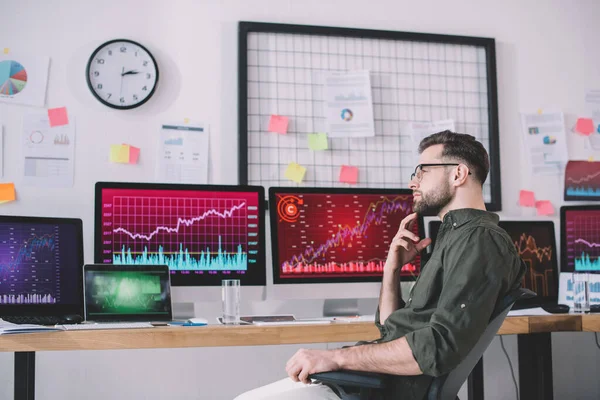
point(134, 154)
point(544, 207)
point(585, 126)
point(58, 116)
point(526, 198)
point(279, 124)
point(349, 174)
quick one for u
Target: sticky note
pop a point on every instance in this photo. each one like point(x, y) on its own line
point(539, 111)
point(7, 192)
point(58, 116)
point(278, 124)
point(6, 50)
point(591, 158)
point(295, 172)
point(186, 120)
point(119, 153)
point(526, 198)
point(544, 207)
point(349, 174)
point(317, 141)
point(134, 154)
point(585, 126)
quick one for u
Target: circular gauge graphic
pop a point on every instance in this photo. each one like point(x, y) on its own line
point(287, 208)
point(36, 137)
point(347, 114)
point(13, 77)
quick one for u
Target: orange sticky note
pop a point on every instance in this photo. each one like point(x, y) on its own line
point(526, 198)
point(585, 126)
point(7, 192)
point(278, 123)
point(119, 153)
point(544, 207)
point(134, 154)
point(295, 172)
point(349, 174)
point(58, 116)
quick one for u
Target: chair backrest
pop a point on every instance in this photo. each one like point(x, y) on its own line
point(447, 386)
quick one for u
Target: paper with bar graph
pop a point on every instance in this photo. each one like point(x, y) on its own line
point(183, 153)
point(48, 153)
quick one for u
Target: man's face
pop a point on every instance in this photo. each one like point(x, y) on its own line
point(431, 186)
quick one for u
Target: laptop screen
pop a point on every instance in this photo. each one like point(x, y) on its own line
point(127, 293)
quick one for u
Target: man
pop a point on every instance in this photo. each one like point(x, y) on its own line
point(473, 266)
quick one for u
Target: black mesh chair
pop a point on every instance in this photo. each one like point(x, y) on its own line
point(355, 385)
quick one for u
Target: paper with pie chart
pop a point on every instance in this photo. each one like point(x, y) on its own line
point(349, 104)
point(23, 79)
point(48, 153)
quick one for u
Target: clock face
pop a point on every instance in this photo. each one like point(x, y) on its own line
point(122, 74)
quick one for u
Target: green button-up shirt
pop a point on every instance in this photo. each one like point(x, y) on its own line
point(473, 266)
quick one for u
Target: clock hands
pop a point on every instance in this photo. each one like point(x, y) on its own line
point(132, 72)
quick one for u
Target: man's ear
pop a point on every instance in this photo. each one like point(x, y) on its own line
point(461, 172)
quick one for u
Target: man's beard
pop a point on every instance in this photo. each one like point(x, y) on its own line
point(430, 204)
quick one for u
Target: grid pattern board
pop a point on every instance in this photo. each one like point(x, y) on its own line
point(412, 81)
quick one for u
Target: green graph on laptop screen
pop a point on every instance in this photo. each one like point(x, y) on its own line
point(127, 295)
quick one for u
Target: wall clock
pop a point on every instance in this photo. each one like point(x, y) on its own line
point(122, 74)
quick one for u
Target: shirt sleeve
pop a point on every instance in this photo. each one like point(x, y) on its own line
point(382, 328)
point(474, 272)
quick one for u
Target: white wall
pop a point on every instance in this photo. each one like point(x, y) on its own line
point(547, 55)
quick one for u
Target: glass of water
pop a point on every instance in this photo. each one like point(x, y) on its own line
point(581, 292)
point(230, 295)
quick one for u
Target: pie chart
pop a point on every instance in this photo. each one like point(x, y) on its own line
point(13, 77)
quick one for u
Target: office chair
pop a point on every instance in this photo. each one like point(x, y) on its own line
point(372, 386)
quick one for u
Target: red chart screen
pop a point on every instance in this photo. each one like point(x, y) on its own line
point(193, 232)
point(582, 239)
point(338, 235)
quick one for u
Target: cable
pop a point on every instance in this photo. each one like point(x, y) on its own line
point(512, 371)
point(597, 343)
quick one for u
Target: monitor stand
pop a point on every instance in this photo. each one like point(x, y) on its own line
point(183, 311)
point(340, 307)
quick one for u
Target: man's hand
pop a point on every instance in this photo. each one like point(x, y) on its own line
point(405, 245)
point(306, 362)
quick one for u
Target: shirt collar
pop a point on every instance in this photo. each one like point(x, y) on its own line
point(459, 217)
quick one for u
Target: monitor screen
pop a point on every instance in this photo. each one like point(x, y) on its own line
point(41, 263)
point(580, 238)
point(325, 235)
point(535, 242)
point(127, 293)
point(204, 233)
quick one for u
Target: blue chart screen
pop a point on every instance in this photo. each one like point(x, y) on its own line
point(193, 232)
point(583, 240)
point(36, 262)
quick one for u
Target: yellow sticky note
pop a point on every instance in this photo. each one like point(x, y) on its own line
point(186, 120)
point(591, 158)
point(295, 172)
point(6, 50)
point(317, 141)
point(119, 153)
point(539, 111)
point(7, 192)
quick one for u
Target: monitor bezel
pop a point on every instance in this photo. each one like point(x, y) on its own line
point(274, 190)
point(50, 309)
point(257, 278)
point(127, 268)
point(563, 237)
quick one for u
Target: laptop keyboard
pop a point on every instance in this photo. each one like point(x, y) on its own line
point(112, 325)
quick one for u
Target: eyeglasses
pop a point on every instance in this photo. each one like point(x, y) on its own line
point(419, 170)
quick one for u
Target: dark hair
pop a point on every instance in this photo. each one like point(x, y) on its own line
point(464, 148)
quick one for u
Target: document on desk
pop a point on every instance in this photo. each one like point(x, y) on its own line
point(8, 328)
point(528, 311)
point(349, 104)
point(183, 153)
point(545, 142)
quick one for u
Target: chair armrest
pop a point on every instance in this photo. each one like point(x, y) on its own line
point(360, 379)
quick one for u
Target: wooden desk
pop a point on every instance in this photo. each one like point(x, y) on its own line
point(24, 346)
point(590, 323)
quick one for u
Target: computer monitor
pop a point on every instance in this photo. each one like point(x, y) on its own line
point(41, 261)
point(535, 242)
point(336, 240)
point(580, 238)
point(204, 233)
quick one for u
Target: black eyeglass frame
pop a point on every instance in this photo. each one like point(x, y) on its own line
point(412, 176)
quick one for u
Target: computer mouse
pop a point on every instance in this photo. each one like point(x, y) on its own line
point(556, 308)
point(198, 321)
point(72, 319)
point(594, 308)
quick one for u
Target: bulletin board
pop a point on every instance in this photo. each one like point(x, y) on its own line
point(415, 77)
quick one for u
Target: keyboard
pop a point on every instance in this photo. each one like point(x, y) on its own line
point(113, 325)
point(36, 320)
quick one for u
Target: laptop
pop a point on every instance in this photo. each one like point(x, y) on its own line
point(127, 293)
